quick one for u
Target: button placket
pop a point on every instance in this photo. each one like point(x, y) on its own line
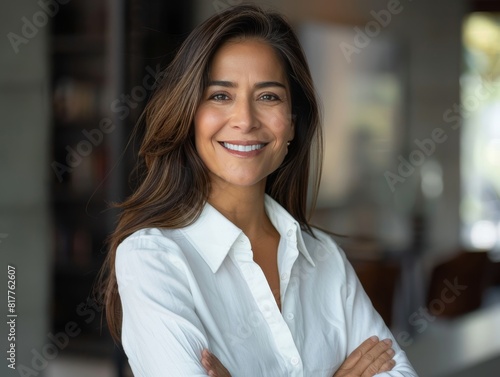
point(276, 322)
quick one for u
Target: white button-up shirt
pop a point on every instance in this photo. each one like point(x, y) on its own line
point(198, 287)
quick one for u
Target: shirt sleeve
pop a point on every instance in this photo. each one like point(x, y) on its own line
point(161, 333)
point(363, 321)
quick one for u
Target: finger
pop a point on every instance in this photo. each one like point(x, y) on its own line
point(372, 355)
point(206, 364)
point(219, 368)
point(376, 365)
point(358, 353)
point(387, 366)
point(215, 367)
point(210, 371)
point(205, 353)
point(206, 360)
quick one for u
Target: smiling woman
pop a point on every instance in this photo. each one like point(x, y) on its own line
point(213, 268)
point(243, 124)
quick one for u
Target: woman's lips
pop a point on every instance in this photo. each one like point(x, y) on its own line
point(243, 149)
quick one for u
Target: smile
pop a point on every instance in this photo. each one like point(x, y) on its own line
point(243, 148)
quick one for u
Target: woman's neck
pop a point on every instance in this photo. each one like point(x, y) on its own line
point(243, 206)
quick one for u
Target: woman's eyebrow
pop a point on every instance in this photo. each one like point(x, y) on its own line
point(227, 84)
point(259, 85)
point(268, 84)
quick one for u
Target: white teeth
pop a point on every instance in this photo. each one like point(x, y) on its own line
point(243, 148)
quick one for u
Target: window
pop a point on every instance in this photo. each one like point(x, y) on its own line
point(480, 132)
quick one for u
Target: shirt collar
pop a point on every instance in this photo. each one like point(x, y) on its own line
point(213, 235)
point(284, 222)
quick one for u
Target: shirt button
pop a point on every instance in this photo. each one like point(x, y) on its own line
point(290, 316)
point(295, 361)
point(289, 233)
point(284, 276)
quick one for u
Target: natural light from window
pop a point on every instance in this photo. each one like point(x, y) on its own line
point(480, 133)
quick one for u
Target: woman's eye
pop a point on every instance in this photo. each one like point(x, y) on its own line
point(219, 97)
point(270, 97)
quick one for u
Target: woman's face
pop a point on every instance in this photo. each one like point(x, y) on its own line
point(244, 122)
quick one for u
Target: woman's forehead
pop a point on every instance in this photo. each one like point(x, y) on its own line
point(247, 57)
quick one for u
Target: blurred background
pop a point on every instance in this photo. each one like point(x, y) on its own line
point(410, 92)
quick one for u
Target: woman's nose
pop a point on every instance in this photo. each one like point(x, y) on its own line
point(244, 115)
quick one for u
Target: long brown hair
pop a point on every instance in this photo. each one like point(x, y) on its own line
point(175, 183)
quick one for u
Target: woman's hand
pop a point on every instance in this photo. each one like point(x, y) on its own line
point(212, 365)
point(371, 357)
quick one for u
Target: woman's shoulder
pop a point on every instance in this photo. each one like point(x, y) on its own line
point(152, 240)
point(322, 246)
point(151, 235)
point(330, 261)
point(147, 259)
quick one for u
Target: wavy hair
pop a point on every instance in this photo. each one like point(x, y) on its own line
point(174, 183)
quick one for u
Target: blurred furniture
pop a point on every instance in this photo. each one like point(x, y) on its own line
point(457, 285)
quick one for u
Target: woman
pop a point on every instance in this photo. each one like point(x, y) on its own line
point(213, 267)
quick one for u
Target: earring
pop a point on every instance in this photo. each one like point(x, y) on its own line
point(288, 144)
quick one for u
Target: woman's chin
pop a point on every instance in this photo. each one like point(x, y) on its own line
point(244, 182)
